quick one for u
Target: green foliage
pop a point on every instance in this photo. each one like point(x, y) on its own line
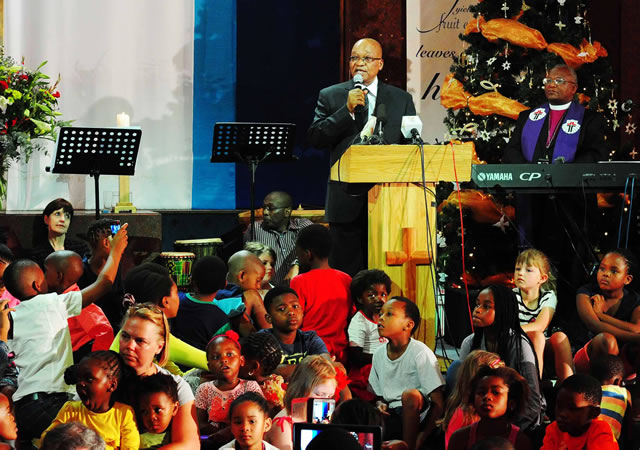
point(28, 110)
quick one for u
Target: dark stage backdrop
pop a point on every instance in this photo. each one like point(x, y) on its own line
point(287, 50)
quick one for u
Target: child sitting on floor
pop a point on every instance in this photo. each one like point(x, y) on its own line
point(315, 377)
point(285, 314)
point(245, 274)
point(98, 237)
point(577, 425)
point(262, 355)
point(96, 378)
point(268, 257)
point(537, 303)
point(616, 399)
point(249, 416)
point(609, 314)
point(213, 398)
point(405, 375)
point(459, 412)
point(497, 395)
point(157, 405)
point(369, 290)
point(324, 292)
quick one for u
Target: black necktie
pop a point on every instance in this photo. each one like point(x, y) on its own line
point(362, 115)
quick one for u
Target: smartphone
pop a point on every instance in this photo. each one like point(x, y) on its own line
point(115, 227)
point(369, 437)
point(312, 410)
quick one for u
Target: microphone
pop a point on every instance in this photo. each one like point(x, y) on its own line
point(358, 83)
point(367, 131)
point(411, 128)
point(381, 114)
point(627, 106)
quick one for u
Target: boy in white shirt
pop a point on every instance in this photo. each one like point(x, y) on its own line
point(406, 375)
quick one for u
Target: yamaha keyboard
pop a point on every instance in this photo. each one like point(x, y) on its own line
point(605, 176)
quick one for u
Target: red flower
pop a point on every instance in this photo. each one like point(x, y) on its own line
point(24, 77)
point(56, 94)
point(342, 380)
point(4, 85)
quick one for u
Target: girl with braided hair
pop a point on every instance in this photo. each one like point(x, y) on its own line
point(497, 330)
point(262, 355)
point(96, 377)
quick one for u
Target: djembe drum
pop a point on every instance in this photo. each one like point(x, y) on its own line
point(179, 266)
point(200, 247)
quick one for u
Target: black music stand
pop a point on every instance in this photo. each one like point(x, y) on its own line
point(252, 143)
point(95, 152)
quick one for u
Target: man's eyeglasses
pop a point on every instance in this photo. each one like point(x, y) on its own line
point(557, 81)
point(272, 208)
point(365, 59)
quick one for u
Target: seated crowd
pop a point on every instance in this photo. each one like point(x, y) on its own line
point(89, 356)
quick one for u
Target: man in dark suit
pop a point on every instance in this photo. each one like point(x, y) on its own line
point(340, 115)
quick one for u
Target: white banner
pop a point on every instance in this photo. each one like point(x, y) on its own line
point(116, 56)
point(433, 27)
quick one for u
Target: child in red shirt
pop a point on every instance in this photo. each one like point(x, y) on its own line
point(577, 425)
point(323, 292)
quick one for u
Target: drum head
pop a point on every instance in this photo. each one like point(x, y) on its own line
point(177, 255)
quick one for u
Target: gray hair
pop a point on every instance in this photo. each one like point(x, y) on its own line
point(72, 436)
point(567, 68)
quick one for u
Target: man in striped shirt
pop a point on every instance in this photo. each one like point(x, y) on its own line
point(279, 231)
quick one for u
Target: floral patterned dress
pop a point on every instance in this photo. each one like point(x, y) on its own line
point(217, 402)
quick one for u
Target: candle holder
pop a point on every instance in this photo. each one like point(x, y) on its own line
point(124, 204)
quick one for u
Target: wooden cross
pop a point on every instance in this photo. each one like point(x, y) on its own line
point(409, 258)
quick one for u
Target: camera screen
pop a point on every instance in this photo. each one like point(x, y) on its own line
point(366, 440)
point(322, 411)
point(115, 228)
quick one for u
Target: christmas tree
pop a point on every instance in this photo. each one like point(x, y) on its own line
point(510, 46)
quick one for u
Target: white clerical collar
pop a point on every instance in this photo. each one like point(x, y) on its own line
point(373, 87)
point(560, 107)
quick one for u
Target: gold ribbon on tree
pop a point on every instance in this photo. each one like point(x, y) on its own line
point(513, 32)
point(454, 96)
point(516, 33)
point(575, 57)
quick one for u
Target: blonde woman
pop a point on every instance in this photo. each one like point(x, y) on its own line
point(144, 347)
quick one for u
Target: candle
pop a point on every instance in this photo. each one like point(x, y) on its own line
point(122, 120)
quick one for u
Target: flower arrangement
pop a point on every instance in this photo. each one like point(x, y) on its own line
point(28, 110)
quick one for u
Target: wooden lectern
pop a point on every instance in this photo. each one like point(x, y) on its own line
point(398, 241)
